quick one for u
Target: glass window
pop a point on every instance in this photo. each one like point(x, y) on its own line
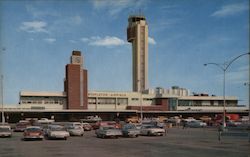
point(122, 101)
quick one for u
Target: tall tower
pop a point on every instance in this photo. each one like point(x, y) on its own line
point(137, 34)
point(75, 84)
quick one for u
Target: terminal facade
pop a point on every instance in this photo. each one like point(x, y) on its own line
point(76, 96)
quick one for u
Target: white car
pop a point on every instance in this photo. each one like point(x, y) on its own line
point(150, 130)
point(5, 131)
point(196, 124)
point(75, 130)
point(57, 132)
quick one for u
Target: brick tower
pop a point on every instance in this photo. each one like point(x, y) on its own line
point(76, 83)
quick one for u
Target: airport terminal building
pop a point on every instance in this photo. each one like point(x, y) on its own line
point(76, 96)
point(77, 99)
point(174, 99)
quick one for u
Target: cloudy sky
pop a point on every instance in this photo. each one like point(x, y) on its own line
point(37, 38)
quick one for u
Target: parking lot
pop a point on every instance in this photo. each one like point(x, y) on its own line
point(178, 142)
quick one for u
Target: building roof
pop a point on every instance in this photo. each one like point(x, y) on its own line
point(207, 98)
point(55, 94)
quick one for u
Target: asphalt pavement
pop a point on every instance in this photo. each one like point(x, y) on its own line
point(178, 142)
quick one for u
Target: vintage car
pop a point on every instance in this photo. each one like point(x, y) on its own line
point(195, 124)
point(5, 131)
point(107, 123)
point(57, 132)
point(86, 126)
point(21, 126)
point(108, 131)
point(74, 129)
point(130, 130)
point(152, 130)
point(33, 132)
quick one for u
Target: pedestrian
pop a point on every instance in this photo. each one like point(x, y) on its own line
point(166, 129)
point(184, 125)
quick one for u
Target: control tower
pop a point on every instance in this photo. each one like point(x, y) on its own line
point(137, 34)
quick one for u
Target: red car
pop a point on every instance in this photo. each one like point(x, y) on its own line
point(33, 132)
point(86, 126)
point(21, 126)
point(108, 123)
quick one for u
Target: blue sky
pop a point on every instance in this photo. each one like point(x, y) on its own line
point(39, 36)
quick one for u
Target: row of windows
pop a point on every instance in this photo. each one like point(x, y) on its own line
point(205, 103)
point(42, 102)
point(120, 101)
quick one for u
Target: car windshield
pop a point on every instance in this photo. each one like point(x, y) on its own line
point(149, 126)
point(33, 129)
point(86, 124)
point(57, 128)
point(74, 127)
point(4, 129)
point(21, 124)
point(130, 127)
point(108, 127)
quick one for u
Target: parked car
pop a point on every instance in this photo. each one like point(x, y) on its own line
point(138, 126)
point(231, 123)
point(33, 132)
point(21, 126)
point(57, 132)
point(74, 130)
point(130, 130)
point(5, 131)
point(132, 119)
point(108, 131)
point(108, 123)
point(86, 126)
point(92, 120)
point(46, 120)
point(195, 124)
point(150, 130)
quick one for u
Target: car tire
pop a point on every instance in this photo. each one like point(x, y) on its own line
point(103, 136)
point(148, 133)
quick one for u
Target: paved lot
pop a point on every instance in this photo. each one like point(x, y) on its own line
point(177, 143)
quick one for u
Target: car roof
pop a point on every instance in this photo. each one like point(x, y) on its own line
point(38, 127)
point(5, 126)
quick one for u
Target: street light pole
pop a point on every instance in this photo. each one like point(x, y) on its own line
point(1, 83)
point(224, 68)
point(3, 118)
point(224, 98)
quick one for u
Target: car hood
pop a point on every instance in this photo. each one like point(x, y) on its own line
point(5, 132)
point(58, 132)
point(156, 129)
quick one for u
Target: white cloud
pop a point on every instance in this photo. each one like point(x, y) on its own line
point(231, 9)
point(151, 41)
point(72, 41)
point(76, 19)
point(84, 39)
point(34, 26)
point(50, 40)
point(109, 41)
point(106, 41)
point(161, 25)
point(116, 6)
point(40, 13)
